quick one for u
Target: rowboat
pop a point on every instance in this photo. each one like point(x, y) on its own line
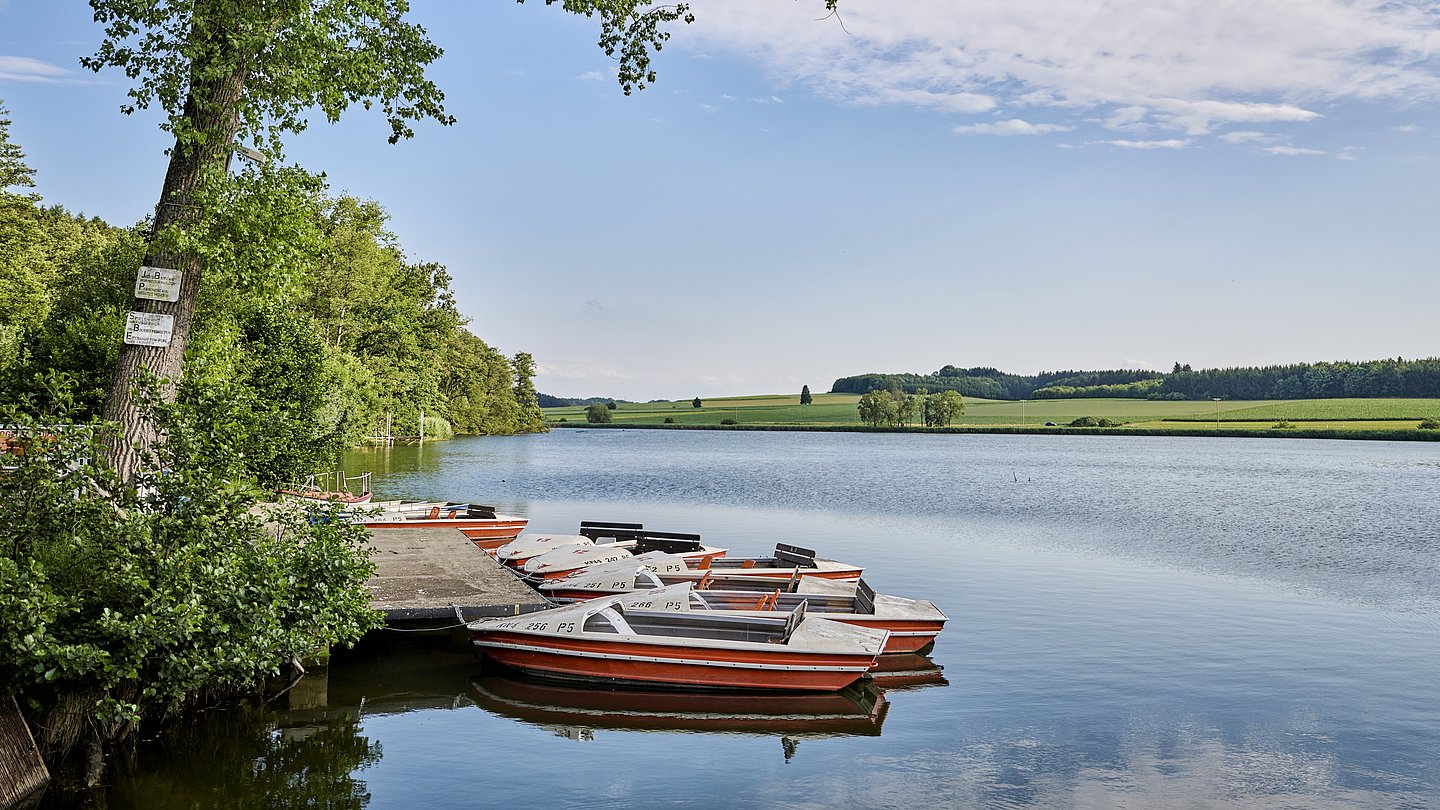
point(574, 711)
point(567, 559)
point(604, 640)
point(656, 570)
point(474, 520)
point(787, 561)
point(913, 624)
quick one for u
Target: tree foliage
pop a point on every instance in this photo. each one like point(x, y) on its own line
point(118, 605)
point(597, 414)
point(805, 397)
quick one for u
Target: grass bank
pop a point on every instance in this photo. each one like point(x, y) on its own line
point(1393, 419)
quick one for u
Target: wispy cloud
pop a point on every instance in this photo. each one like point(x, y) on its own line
point(1408, 128)
point(591, 305)
point(1168, 143)
point(709, 108)
point(1141, 66)
point(1013, 126)
point(579, 371)
point(25, 69)
point(593, 76)
point(1292, 150)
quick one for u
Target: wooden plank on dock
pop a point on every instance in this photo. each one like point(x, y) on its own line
point(431, 572)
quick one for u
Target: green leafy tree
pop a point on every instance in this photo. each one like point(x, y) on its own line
point(223, 71)
point(695, 403)
point(597, 414)
point(805, 398)
point(531, 420)
point(943, 408)
point(877, 408)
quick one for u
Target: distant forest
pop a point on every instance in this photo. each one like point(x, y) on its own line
point(548, 401)
point(1376, 378)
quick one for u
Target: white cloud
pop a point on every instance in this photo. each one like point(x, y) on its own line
point(1292, 150)
point(1169, 143)
point(1247, 136)
point(592, 76)
point(579, 371)
point(1178, 66)
point(1131, 362)
point(1408, 128)
point(25, 69)
point(709, 108)
point(1013, 126)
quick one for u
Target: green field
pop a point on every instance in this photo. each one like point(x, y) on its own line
point(1311, 410)
point(840, 410)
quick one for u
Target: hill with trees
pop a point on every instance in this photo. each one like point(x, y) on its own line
point(1375, 378)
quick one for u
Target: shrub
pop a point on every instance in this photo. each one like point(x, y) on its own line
point(669, 420)
point(597, 414)
point(1091, 421)
point(1430, 424)
point(1283, 424)
point(611, 405)
point(119, 605)
point(727, 421)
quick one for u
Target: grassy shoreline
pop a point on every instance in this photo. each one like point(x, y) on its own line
point(1385, 419)
point(1391, 434)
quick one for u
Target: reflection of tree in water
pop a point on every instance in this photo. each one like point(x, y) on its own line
point(240, 758)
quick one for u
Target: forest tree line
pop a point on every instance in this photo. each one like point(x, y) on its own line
point(1376, 378)
point(310, 307)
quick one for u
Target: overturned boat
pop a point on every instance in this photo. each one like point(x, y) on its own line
point(476, 521)
point(607, 641)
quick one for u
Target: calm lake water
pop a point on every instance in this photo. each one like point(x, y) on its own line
point(1135, 622)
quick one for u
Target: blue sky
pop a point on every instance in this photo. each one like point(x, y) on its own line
point(1014, 183)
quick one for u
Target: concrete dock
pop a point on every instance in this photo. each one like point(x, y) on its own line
point(425, 575)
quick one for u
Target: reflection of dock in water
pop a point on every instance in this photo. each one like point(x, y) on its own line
point(857, 710)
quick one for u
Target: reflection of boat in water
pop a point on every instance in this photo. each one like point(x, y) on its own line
point(857, 710)
point(907, 670)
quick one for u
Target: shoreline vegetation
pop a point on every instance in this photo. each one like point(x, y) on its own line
point(1360, 418)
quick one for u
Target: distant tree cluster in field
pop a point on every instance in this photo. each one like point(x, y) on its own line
point(895, 408)
point(1377, 378)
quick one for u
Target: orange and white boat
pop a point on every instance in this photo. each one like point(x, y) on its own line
point(566, 560)
point(604, 640)
point(475, 521)
point(659, 569)
point(787, 562)
point(913, 624)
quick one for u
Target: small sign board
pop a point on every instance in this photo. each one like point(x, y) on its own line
point(149, 329)
point(158, 284)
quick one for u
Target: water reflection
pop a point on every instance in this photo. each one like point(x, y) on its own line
point(578, 712)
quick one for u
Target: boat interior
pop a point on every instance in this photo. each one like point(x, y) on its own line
point(728, 627)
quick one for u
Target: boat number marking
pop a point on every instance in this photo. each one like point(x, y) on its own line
point(542, 626)
point(565, 627)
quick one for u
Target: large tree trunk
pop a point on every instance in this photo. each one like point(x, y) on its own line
point(211, 110)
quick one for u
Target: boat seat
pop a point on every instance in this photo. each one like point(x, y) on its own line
point(434, 513)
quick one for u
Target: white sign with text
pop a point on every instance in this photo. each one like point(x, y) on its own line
point(149, 329)
point(158, 284)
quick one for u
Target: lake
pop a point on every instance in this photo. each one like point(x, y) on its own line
point(1134, 622)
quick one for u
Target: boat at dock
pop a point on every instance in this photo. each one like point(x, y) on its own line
point(567, 559)
point(603, 640)
point(913, 624)
point(657, 570)
point(473, 520)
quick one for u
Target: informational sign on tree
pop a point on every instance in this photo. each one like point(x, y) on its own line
point(157, 284)
point(149, 329)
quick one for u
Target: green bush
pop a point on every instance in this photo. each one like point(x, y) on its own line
point(727, 421)
point(120, 604)
point(1283, 424)
point(669, 420)
point(1430, 424)
point(1091, 421)
point(597, 414)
